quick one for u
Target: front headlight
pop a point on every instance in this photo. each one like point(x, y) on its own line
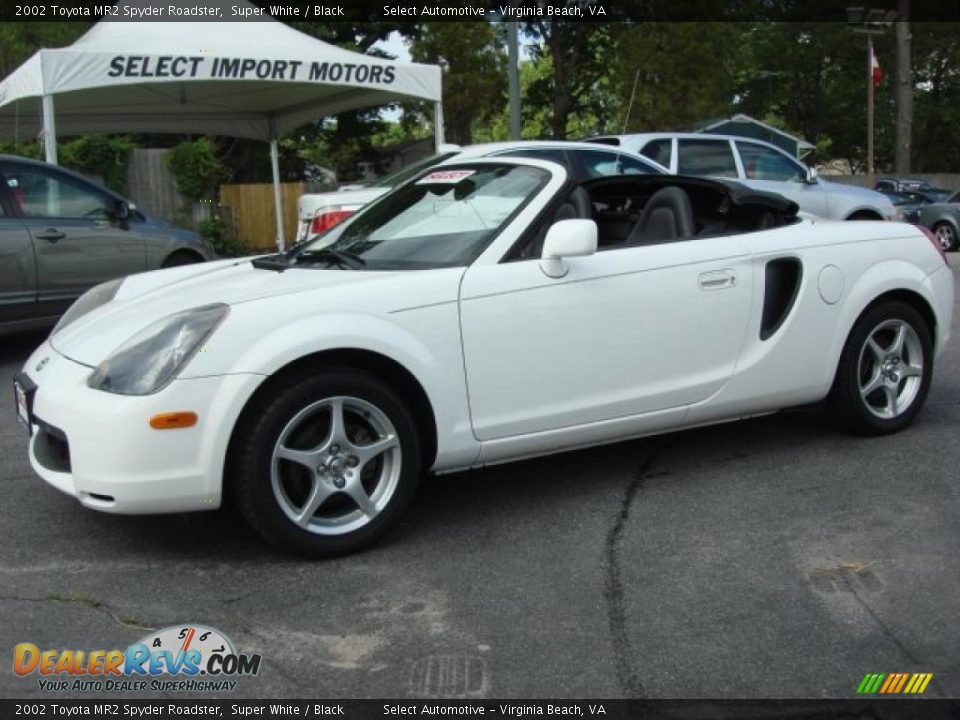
point(151, 359)
point(92, 299)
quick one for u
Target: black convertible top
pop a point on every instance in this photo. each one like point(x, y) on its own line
point(731, 191)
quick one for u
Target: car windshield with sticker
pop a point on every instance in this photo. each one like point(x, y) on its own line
point(446, 218)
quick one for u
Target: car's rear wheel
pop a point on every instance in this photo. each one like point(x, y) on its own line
point(885, 369)
point(946, 236)
point(328, 465)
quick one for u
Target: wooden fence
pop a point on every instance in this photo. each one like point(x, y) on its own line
point(249, 210)
point(151, 185)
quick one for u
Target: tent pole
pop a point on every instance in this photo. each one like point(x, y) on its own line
point(438, 124)
point(49, 130)
point(277, 199)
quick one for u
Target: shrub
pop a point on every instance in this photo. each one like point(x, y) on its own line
point(221, 237)
point(197, 170)
point(100, 155)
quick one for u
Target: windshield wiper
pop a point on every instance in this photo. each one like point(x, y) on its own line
point(271, 262)
point(336, 257)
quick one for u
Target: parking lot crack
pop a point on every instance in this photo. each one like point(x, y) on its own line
point(627, 674)
point(886, 629)
point(85, 601)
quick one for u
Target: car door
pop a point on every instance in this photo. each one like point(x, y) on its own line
point(770, 170)
point(18, 270)
point(77, 240)
point(627, 331)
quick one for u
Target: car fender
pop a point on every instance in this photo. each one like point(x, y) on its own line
point(879, 279)
point(435, 362)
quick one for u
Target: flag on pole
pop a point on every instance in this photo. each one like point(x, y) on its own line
point(876, 72)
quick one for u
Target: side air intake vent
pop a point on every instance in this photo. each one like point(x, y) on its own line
point(780, 293)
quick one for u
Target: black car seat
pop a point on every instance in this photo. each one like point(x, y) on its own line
point(667, 216)
point(575, 207)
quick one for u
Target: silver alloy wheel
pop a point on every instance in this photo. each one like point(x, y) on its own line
point(890, 369)
point(946, 236)
point(336, 465)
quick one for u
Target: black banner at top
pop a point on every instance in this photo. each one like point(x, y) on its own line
point(460, 10)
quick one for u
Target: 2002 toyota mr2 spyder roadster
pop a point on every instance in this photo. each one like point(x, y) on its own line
point(485, 311)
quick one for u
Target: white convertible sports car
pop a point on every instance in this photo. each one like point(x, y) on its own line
point(489, 310)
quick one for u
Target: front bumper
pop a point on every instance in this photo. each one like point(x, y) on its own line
point(100, 448)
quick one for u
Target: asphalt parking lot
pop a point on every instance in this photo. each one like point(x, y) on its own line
point(768, 558)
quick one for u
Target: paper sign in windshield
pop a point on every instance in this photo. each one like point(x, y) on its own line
point(446, 177)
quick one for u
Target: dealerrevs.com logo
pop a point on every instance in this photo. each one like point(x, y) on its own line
point(177, 658)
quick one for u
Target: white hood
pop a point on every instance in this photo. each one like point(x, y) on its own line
point(148, 297)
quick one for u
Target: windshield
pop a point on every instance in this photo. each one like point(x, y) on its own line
point(444, 219)
point(401, 176)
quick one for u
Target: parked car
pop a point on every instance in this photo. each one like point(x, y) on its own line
point(489, 309)
point(61, 234)
point(944, 219)
point(318, 212)
point(907, 203)
point(921, 187)
point(759, 165)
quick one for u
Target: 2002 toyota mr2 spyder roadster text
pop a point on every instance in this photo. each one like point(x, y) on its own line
point(485, 311)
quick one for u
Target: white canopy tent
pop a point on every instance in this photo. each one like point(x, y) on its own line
point(250, 79)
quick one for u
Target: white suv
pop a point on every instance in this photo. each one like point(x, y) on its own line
point(758, 165)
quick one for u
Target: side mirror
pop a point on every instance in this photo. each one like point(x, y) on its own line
point(120, 210)
point(567, 238)
point(812, 175)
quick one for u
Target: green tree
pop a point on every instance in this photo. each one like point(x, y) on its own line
point(936, 62)
point(473, 61)
point(580, 57)
point(683, 73)
point(20, 40)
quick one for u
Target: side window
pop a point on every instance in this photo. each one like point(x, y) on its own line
point(632, 166)
point(603, 163)
point(881, 186)
point(658, 151)
point(45, 193)
point(550, 154)
point(706, 157)
point(760, 163)
point(4, 194)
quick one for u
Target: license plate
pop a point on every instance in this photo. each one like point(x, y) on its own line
point(23, 404)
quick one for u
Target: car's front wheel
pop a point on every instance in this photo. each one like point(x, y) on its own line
point(885, 369)
point(328, 464)
point(946, 236)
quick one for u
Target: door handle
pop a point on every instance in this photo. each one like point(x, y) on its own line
point(51, 235)
point(717, 280)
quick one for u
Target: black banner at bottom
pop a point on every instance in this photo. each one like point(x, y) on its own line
point(892, 709)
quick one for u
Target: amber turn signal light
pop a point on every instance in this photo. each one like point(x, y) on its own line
point(171, 420)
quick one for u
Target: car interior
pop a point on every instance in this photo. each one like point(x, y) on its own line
point(652, 209)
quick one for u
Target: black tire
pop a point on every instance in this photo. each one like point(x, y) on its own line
point(181, 257)
point(861, 366)
point(864, 215)
point(254, 476)
point(946, 236)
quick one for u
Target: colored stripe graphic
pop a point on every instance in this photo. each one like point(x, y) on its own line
point(870, 683)
point(894, 683)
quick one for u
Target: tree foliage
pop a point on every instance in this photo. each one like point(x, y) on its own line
point(577, 78)
point(473, 61)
